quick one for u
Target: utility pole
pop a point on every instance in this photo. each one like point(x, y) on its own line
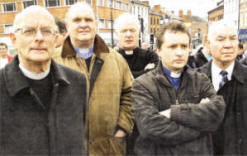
point(112, 39)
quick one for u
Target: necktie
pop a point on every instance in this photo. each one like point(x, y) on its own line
point(224, 78)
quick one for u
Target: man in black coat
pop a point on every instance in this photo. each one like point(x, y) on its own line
point(41, 103)
point(176, 109)
point(140, 60)
point(229, 78)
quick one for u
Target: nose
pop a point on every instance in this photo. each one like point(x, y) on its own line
point(228, 43)
point(39, 35)
point(179, 52)
point(128, 33)
point(82, 23)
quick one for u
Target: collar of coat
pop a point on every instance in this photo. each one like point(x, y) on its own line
point(15, 80)
point(99, 47)
point(160, 76)
point(239, 72)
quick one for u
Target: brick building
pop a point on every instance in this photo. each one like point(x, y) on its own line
point(105, 10)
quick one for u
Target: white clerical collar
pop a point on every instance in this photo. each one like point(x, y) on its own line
point(129, 52)
point(32, 75)
point(217, 70)
point(175, 75)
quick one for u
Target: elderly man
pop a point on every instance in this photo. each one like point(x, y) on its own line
point(109, 114)
point(42, 103)
point(229, 78)
point(139, 60)
point(176, 109)
point(4, 57)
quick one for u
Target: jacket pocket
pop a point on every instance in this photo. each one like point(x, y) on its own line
point(117, 146)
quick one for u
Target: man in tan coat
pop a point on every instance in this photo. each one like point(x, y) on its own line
point(109, 114)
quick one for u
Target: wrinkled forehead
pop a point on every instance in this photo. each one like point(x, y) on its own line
point(81, 12)
point(128, 25)
point(35, 19)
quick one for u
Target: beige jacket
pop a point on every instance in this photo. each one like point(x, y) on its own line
point(109, 104)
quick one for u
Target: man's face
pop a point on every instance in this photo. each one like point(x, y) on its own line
point(174, 51)
point(224, 45)
point(82, 25)
point(35, 39)
point(3, 50)
point(128, 36)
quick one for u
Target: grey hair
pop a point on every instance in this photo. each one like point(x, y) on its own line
point(31, 10)
point(216, 26)
point(79, 5)
point(126, 17)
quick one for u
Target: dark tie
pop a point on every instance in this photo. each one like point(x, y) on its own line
point(224, 78)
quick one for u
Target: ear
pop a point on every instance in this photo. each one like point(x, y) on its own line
point(12, 38)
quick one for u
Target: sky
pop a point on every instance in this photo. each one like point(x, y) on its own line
point(198, 7)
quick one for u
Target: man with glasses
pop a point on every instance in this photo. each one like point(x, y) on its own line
point(42, 103)
point(109, 114)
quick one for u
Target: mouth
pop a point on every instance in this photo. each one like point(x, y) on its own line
point(39, 49)
point(179, 61)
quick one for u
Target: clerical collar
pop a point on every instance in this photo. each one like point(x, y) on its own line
point(171, 74)
point(129, 52)
point(34, 76)
point(84, 52)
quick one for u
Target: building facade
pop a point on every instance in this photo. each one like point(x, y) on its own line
point(106, 11)
point(231, 11)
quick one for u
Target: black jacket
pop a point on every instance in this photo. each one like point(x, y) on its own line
point(27, 128)
point(197, 60)
point(138, 61)
point(188, 132)
point(231, 137)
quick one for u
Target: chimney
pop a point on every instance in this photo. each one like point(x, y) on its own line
point(181, 13)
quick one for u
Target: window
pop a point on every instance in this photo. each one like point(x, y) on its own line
point(100, 2)
point(151, 20)
point(126, 6)
point(154, 20)
point(52, 3)
point(89, 2)
point(70, 2)
point(101, 23)
point(29, 3)
point(9, 7)
point(110, 3)
point(8, 28)
point(158, 21)
point(119, 5)
point(109, 24)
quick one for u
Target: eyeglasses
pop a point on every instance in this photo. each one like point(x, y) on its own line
point(32, 32)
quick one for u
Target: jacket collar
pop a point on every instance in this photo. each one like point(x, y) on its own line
point(99, 47)
point(238, 68)
point(15, 80)
point(160, 76)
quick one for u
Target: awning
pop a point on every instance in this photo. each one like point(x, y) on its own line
point(242, 34)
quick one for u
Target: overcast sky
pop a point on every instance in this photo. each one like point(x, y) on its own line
point(198, 7)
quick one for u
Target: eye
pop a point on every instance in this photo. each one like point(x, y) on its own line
point(46, 31)
point(173, 46)
point(76, 20)
point(29, 31)
point(88, 19)
point(184, 46)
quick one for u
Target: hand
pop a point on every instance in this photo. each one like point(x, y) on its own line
point(120, 133)
point(149, 66)
point(166, 113)
point(204, 100)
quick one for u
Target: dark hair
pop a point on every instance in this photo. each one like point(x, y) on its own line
point(61, 25)
point(240, 46)
point(4, 44)
point(174, 27)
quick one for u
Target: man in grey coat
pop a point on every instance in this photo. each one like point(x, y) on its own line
point(176, 109)
point(41, 102)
